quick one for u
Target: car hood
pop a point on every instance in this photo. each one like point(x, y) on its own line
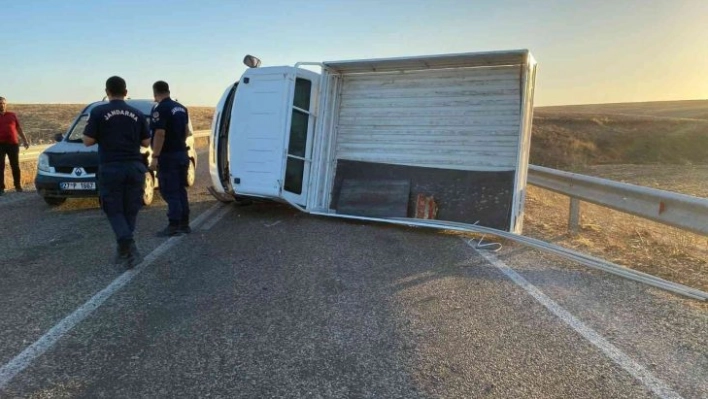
point(66, 146)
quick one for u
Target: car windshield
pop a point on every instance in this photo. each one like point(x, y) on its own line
point(77, 131)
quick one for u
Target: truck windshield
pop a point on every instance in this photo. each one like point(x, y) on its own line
point(77, 131)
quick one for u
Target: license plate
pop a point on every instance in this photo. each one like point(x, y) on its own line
point(88, 185)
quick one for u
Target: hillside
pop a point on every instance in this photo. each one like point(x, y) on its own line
point(693, 109)
point(568, 140)
point(668, 132)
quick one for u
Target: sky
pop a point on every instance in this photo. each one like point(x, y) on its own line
point(588, 52)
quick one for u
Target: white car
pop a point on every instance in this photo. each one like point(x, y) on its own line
point(68, 168)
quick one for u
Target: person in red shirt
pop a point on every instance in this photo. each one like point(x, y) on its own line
point(10, 129)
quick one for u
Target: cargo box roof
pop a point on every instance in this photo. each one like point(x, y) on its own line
point(481, 59)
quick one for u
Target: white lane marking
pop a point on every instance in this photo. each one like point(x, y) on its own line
point(32, 352)
point(635, 369)
point(208, 225)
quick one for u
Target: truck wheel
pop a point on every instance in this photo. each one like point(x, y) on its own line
point(54, 201)
point(191, 174)
point(148, 189)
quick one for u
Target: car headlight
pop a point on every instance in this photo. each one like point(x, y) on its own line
point(43, 162)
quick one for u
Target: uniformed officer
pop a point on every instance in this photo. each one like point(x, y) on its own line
point(120, 130)
point(169, 125)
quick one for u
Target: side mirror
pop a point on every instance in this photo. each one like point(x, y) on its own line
point(251, 61)
point(58, 137)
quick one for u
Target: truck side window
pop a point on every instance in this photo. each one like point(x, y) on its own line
point(303, 87)
point(297, 146)
point(300, 120)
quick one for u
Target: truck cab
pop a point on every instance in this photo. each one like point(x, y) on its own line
point(263, 135)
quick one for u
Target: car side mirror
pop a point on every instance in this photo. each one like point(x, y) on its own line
point(58, 137)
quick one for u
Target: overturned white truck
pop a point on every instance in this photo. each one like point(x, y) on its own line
point(440, 136)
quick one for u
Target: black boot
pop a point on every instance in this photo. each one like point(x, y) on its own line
point(123, 253)
point(184, 226)
point(135, 256)
point(171, 230)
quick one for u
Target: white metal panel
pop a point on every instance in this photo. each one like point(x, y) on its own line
point(323, 140)
point(466, 119)
point(528, 84)
point(330, 133)
point(258, 122)
point(479, 59)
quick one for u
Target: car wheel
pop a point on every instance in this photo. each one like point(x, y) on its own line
point(54, 201)
point(191, 174)
point(148, 189)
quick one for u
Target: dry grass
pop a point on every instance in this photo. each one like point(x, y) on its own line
point(201, 117)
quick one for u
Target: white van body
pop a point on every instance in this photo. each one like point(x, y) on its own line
point(366, 137)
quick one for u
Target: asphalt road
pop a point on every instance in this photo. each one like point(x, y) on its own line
point(263, 301)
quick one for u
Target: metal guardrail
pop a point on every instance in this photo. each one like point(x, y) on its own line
point(678, 210)
point(32, 153)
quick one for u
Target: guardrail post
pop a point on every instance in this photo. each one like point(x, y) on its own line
point(574, 216)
